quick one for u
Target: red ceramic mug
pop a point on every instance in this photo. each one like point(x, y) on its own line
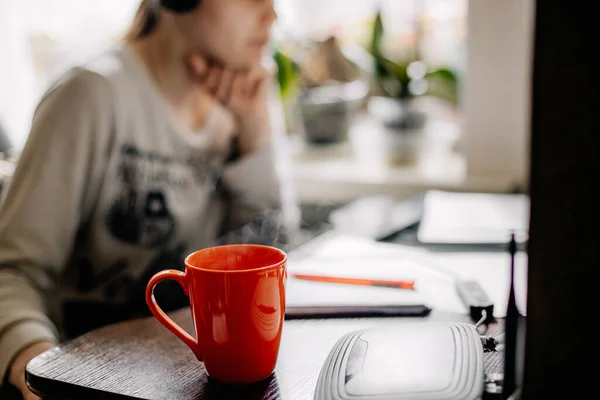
point(237, 299)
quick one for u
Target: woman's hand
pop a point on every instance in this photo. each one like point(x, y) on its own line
point(245, 93)
point(17, 370)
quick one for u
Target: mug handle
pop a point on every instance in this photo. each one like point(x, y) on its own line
point(161, 316)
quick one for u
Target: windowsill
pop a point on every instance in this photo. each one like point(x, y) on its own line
point(342, 172)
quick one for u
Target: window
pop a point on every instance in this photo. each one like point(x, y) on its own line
point(46, 36)
point(374, 161)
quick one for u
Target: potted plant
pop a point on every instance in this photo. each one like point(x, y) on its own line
point(328, 91)
point(398, 83)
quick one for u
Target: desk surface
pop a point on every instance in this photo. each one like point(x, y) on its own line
point(141, 359)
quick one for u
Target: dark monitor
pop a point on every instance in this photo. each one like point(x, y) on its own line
point(560, 345)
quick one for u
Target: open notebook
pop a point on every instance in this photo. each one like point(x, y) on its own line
point(335, 254)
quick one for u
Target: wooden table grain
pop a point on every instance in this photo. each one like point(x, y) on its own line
point(141, 359)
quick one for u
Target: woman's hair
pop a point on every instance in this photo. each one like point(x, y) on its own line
point(148, 14)
point(145, 21)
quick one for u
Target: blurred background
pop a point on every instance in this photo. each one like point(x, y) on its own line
point(380, 97)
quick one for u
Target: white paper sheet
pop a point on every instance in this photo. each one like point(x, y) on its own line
point(472, 218)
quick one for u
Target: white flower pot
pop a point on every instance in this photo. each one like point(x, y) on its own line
point(402, 142)
point(403, 147)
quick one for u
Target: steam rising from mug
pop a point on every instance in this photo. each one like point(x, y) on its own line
point(267, 228)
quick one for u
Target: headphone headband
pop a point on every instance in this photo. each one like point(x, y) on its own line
point(179, 6)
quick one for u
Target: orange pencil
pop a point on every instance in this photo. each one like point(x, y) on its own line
point(407, 284)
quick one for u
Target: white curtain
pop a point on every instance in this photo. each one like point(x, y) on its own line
point(17, 78)
point(39, 39)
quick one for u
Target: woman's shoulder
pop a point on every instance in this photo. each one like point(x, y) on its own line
point(112, 64)
point(100, 75)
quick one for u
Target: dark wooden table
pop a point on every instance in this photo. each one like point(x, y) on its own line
point(141, 359)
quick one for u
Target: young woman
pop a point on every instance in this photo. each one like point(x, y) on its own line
point(160, 146)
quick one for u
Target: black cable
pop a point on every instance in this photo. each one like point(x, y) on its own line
point(492, 343)
point(489, 343)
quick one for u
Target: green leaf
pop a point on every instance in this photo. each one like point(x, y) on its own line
point(443, 83)
point(444, 74)
point(377, 35)
point(394, 79)
point(375, 46)
point(287, 73)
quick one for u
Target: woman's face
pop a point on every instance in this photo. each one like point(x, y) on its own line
point(230, 32)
